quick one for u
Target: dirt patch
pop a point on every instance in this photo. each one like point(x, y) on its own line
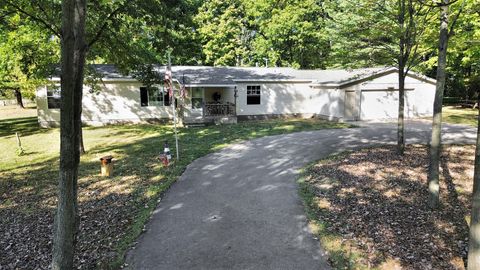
point(376, 201)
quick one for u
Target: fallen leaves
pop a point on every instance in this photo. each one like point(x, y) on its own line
point(106, 215)
point(377, 200)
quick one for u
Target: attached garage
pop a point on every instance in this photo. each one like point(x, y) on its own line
point(379, 104)
point(383, 104)
point(376, 97)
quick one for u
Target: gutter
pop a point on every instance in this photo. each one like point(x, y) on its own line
point(57, 79)
point(273, 80)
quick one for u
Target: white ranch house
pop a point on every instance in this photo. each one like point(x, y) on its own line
point(231, 93)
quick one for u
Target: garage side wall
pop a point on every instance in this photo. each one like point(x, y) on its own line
point(282, 99)
point(117, 102)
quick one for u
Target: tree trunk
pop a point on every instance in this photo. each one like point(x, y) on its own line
point(401, 79)
point(81, 145)
point(73, 51)
point(474, 242)
point(435, 142)
point(401, 111)
point(19, 98)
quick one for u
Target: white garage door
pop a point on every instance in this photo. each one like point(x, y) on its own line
point(381, 104)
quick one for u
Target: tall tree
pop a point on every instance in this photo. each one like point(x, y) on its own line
point(133, 23)
point(289, 33)
point(221, 27)
point(266, 32)
point(435, 141)
point(474, 240)
point(73, 48)
point(382, 32)
point(407, 45)
point(462, 70)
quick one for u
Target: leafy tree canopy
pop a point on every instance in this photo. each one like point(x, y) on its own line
point(27, 54)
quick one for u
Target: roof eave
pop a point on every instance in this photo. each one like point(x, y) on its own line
point(273, 80)
point(57, 79)
point(209, 85)
point(324, 85)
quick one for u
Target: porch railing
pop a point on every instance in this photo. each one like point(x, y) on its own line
point(219, 109)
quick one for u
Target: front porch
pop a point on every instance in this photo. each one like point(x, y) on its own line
point(210, 105)
point(219, 109)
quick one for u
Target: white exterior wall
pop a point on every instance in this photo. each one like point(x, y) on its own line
point(292, 98)
point(117, 102)
point(226, 94)
point(120, 101)
point(376, 101)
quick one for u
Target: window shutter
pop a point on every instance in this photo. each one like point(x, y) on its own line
point(166, 98)
point(143, 97)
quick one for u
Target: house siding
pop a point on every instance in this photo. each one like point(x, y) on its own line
point(119, 101)
point(116, 102)
point(292, 99)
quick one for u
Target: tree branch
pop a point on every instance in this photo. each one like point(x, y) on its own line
point(50, 26)
point(4, 15)
point(455, 19)
point(45, 13)
point(438, 4)
point(99, 33)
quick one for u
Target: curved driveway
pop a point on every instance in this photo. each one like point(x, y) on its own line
point(239, 208)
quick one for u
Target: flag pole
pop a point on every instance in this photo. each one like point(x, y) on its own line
point(173, 107)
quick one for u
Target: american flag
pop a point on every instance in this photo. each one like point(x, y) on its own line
point(183, 91)
point(168, 80)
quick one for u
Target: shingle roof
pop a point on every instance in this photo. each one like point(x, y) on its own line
point(206, 75)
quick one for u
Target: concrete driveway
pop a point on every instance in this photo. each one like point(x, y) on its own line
point(239, 208)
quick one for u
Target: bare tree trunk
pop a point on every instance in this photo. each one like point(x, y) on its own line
point(81, 145)
point(435, 142)
point(401, 79)
point(72, 63)
point(474, 242)
point(401, 111)
point(19, 98)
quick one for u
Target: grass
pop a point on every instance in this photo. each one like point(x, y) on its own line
point(7, 112)
point(458, 115)
point(28, 182)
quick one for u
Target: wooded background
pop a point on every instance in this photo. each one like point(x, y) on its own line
point(306, 34)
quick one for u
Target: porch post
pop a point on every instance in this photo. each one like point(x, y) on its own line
point(235, 91)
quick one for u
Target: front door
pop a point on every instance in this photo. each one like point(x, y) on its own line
point(197, 101)
point(350, 105)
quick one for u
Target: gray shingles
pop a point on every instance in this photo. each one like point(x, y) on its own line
point(231, 75)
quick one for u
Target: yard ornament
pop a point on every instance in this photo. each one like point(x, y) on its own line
point(165, 157)
point(166, 151)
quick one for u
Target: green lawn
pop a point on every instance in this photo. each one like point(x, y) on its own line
point(113, 210)
point(457, 115)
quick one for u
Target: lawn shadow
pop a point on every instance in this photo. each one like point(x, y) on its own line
point(24, 126)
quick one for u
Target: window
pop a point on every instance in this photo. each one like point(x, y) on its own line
point(153, 96)
point(197, 98)
point(253, 94)
point(53, 96)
